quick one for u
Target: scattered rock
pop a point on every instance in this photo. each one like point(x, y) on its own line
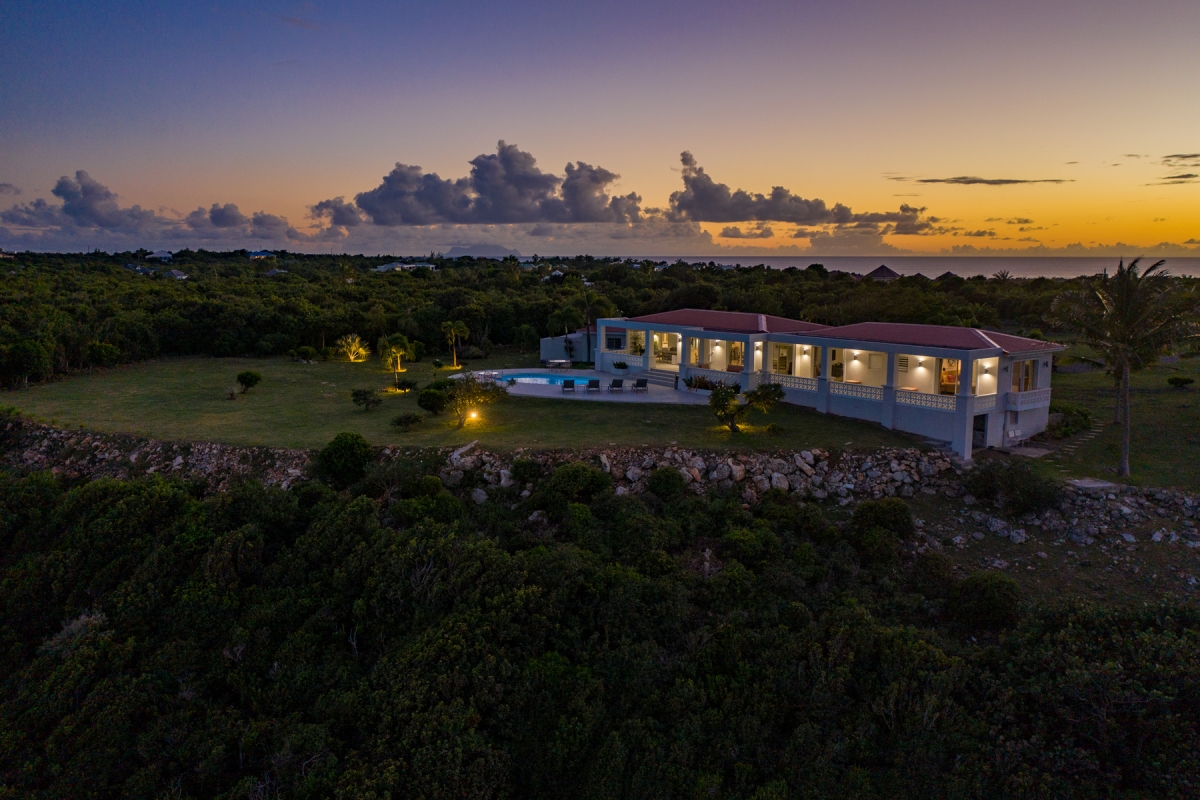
point(479, 496)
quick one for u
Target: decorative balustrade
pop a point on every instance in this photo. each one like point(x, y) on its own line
point(856, 390)
point(1034, 398)
point(714, 375)
point(984, 403)
point(609, 357)
point(939, 402)
point(793, 382)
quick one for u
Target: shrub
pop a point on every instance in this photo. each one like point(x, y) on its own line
point(933, 574)
point(429, 485)
point(441, 384)
point(102, 354)
point(406, 421)
point(667, 483)
point(1180, 382)
point(353, 347)
point(306, 353)
point(405, 385)
point(467, 394)
point(891, 514)
point(876, 545)
point(432, 401)
point(367, 398)
point(525, 470)
point(751, 545)
point(572, 483)
point(344, 460)
point(1074, 420)
point(1013, 486)
point(620, 365)
point(248, 380)
point(437, 363)
point(987, 600)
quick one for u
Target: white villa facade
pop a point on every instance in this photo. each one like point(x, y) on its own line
point(968, 387)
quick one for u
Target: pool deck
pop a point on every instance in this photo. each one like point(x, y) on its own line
point(655, 394)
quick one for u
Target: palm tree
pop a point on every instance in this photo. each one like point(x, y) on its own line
point(393, 350)
point(593, 305)
point(353, 347)
point(565, 319)
point(454, 331)
point(1129, 318)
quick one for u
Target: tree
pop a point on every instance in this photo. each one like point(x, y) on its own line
point(407, 420)
point(593, 305)
point(723, 400)
point(468, 394)
point(525, 336)
point(432, 400)
point(248, 380)
point(28, 359)
point(453, 331)
point(1130, 318)
point(393, 350)
point(566, 319)
point(367, 398)
point(102, 354)
point(353, 347)
point(344, 460)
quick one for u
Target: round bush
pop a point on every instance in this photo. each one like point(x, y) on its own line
point(891, 514)
point(933, 574)
point(344, 460)
point(432, 401)
point(877, 546)
point(987, 600)
point(666, 482)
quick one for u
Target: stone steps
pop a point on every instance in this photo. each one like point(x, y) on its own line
point(660, 377)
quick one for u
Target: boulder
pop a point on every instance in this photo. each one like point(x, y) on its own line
point(479, 496)
point(779, 481)
point(506, 478)
point(736, 471)
point(633, 474)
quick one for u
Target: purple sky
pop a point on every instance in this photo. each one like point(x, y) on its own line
point(1081, 119)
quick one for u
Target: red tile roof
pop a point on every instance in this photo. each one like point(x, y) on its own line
point(937, 336)
point(732, 321)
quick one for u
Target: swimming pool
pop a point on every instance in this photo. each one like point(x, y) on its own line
point(544, 378)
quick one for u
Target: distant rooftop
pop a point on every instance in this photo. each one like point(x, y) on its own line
point(947, 336)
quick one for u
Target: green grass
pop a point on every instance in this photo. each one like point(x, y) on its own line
point(1165, 440)
point(306, 405)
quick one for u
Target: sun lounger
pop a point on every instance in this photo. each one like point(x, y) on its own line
point(618, 385)
point(569, 386)
point(640, 385)
point(593, 385)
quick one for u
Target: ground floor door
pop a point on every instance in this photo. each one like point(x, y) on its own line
point(979, 431)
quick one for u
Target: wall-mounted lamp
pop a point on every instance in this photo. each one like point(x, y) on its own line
point(805, 351)
point(856, 356)
point(920, 362)
point(985, 370)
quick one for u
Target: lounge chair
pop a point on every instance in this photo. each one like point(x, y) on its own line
point(641, 385)
point(569, 386)
point(618, 385)
point(593, 385)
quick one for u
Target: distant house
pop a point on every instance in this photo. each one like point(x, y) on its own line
point(946, 276)
point(271, 273)
point(7, 256)
point(138, 269)
point(400, 266)
point(258, 254)
point(558, 273)
point(162, 255)
point(883, 273)
point(175, 274)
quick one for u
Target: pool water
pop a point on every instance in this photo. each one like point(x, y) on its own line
point(546, 379)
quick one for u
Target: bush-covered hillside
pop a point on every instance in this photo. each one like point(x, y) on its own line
point(394, 641)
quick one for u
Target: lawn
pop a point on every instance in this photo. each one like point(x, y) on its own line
point(1165, 441)
point(306, 405)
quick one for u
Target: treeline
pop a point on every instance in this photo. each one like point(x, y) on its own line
point(60, 313)
point(392, 641)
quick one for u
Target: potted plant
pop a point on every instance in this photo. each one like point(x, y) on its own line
point(620, 366)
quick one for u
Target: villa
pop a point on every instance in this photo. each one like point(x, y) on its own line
point(968, 387)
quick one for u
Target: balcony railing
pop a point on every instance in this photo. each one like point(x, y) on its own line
point(1034, 398)
point(939, 402)
point(793, 382)
point(984, 403)
point(856, 390)
point(608, 357)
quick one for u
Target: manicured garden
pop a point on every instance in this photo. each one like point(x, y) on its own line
point(305, 405)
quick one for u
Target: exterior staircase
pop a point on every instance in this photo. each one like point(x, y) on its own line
point(660, 377)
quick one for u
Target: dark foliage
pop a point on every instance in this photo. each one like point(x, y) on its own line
point(262, 643)
point(249, 379)
point(432, 401)
point(406, 421)
point(667, 483)
point(344, 460)
point(367, 398)
point(1012, 486)
point(891, 513)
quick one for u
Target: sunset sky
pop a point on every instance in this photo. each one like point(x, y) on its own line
point(924, 127)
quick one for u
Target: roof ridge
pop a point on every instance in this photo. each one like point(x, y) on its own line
point(989, 340)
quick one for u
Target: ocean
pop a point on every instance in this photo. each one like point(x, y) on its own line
point(964, 266)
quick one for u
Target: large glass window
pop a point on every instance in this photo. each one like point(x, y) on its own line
point(781, 358)
point(737, 354)
point(948, 375)
point(1024, 375)
point(837, 367)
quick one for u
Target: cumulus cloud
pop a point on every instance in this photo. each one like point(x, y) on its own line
point(219, 216)
point(339, 213)
point(506, 187)
point(759, 232)
point(8, 188)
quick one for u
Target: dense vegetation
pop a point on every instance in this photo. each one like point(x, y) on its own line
point(393, 641)
point(68, 312)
